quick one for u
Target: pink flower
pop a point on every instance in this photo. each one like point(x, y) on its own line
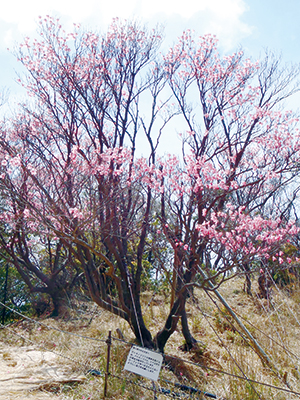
point(26, 213)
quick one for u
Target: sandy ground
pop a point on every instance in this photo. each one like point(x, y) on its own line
point(25, 372)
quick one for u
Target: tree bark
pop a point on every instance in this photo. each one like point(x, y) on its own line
point(247, 286)
point(190, 341)
point(171, 324)
point(60, 304)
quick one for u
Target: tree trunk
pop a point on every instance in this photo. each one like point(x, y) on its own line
point(247, 285)
point(60, 303)
point(171, 323)
point(140, 330)
point(190, 341)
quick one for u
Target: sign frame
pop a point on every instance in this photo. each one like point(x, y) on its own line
point(144, 362)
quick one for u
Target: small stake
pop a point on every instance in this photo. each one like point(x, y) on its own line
point(154, 390)
point(108, 342)
point(5, 293)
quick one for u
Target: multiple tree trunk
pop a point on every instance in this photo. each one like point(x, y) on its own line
point(77, 199)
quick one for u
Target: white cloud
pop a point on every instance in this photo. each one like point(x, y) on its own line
point(23, 15)
point(227, 24)
point(221, 17)
point(188, 8)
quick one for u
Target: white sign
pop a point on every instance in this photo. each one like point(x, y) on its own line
point(144, 362)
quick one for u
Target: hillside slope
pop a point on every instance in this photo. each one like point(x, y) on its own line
point(66, 359)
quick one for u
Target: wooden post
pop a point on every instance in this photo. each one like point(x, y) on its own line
point(5, 294)
point(108, 342)
point(154, 390)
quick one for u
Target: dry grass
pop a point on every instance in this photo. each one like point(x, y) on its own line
point(274, 324)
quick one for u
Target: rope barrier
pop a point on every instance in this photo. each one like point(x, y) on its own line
point(218, 371)
point(42, 347)
point(139, 385)
point(129, 343)
point(267, 336)
point(236, 376)
point(52, 327)
point(228, 351)
point(259, 330)
point(164, 391)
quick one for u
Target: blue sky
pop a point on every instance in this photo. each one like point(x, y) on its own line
point(252, 24)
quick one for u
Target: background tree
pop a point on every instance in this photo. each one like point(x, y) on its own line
point(44, 264)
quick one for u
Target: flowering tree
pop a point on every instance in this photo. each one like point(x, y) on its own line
point(64, 157)
point(69, 163)
point(240, 151)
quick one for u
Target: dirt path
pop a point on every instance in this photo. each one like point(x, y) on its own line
point(25, 372)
